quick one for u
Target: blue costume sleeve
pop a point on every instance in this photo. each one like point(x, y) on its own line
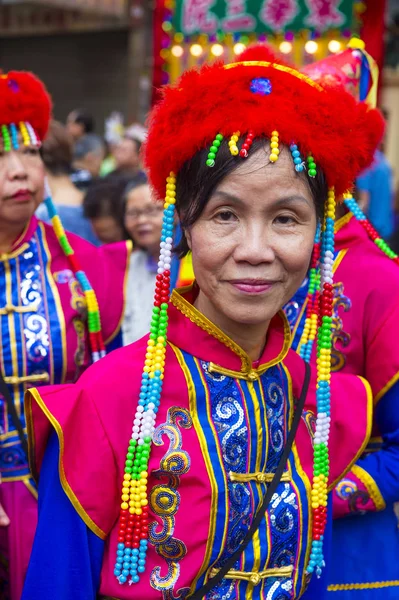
point(116, 343)
point(66, 556)
point(363, 181)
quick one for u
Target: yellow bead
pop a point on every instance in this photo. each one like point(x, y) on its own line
point(274, 138)
point(127, 477)
point(138, 511)
point(273, 157)
point(124, 506)
point(274, 145)
point(234, 151)
point(275, 133)
point(315, 504)
point(125, 497)
point(144, 502)
point(132, 511)
point(146, 369)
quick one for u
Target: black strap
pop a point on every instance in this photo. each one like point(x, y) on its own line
point(4, 391)
point(213, 582)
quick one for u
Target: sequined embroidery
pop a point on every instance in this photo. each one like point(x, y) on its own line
point(165, 502)
point(340, 338)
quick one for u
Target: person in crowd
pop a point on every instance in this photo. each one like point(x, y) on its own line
point(216, 498)
point(103, 205)
point(57, 154)
point(89, 152)
point(80, 123)
point(61, 302)
point(143, 221)
point(365, 294)
point(127, 152)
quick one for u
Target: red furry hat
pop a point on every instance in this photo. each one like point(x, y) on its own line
point(23, 98)
point(340, 133)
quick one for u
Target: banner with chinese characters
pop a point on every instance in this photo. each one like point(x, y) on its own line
point(260, 16)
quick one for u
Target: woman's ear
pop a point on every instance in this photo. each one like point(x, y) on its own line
point(187, 235)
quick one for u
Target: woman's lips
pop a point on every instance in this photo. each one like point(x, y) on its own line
point(252, 286)
point(22, 196)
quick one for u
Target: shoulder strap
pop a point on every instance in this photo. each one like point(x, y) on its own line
point(205, 589)
point(4, 391)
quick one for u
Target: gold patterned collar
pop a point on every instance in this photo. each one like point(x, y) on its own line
point(192, 332)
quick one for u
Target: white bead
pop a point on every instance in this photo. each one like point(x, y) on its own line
point(140, 409)
point(151, 406)
point(140, 441)
point(136, 428)
point(169, 240)
point(162, 244)
point(136, 421)
point(135, 436)
point(160, 271)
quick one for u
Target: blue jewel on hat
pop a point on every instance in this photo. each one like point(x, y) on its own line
point(13, 85)
point(261, 85)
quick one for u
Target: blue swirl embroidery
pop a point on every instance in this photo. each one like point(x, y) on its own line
point(165, 502)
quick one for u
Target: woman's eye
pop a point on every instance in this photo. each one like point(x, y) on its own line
point(31, 151)
point(225, 216)
point(285, 220)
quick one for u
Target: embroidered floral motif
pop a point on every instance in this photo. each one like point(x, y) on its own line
point(165, 502)
point(310, 421)
point(340, 339)
point(348, 491)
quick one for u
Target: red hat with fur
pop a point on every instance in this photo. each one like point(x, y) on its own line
point(23, 98)
point(326, 122)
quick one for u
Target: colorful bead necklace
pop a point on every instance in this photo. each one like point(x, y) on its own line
point(323, 390)
point(93, 312)
point(133, 519)
point(359, 215)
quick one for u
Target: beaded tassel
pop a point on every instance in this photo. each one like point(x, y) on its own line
point(10, 136)
point(312, 170)
point(247, 144)
point(93, 313)
point(213, 150)
point(14, 136)
point(323, 393)
point(297, 158)
point(24, 134)
point(274, 150)
point(133, 520)
point(353, 206)
point(233, 143)
point(310, 327)
point(6, 138)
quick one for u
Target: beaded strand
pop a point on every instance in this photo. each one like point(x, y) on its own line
point(93, 312)
point(133, 520)
point(297, 158)
point(323, 392)
point(247, 144)
point(359, 215)
point(312, 170)
point(213, 150)
point(274, 150)
point(233, 143)
point(10, 136)
point(312, 310)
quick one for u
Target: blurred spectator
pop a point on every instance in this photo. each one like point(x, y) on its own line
point(143, 221)
point(375, 194)
point(104, 206)
point(127, 151)
point(56, 153)
point(79, 123)
point(88, 156)
point(114, 131)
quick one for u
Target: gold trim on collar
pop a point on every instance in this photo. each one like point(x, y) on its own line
point(247, 371)
point(342, 221)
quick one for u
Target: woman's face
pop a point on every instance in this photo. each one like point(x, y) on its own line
point(21, 185)
point(143, 218)
point(252, 244)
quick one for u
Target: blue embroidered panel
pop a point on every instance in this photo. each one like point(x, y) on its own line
point(245, 425)
point(30, 337)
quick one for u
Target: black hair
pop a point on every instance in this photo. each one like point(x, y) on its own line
point(104, 198)
point(84, 118)
point(135, 140)
point(57, 150)
point(86, 144)
point(196, 182)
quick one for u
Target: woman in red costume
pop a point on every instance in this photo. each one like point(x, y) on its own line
point(214, 497)
point(53, 288)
